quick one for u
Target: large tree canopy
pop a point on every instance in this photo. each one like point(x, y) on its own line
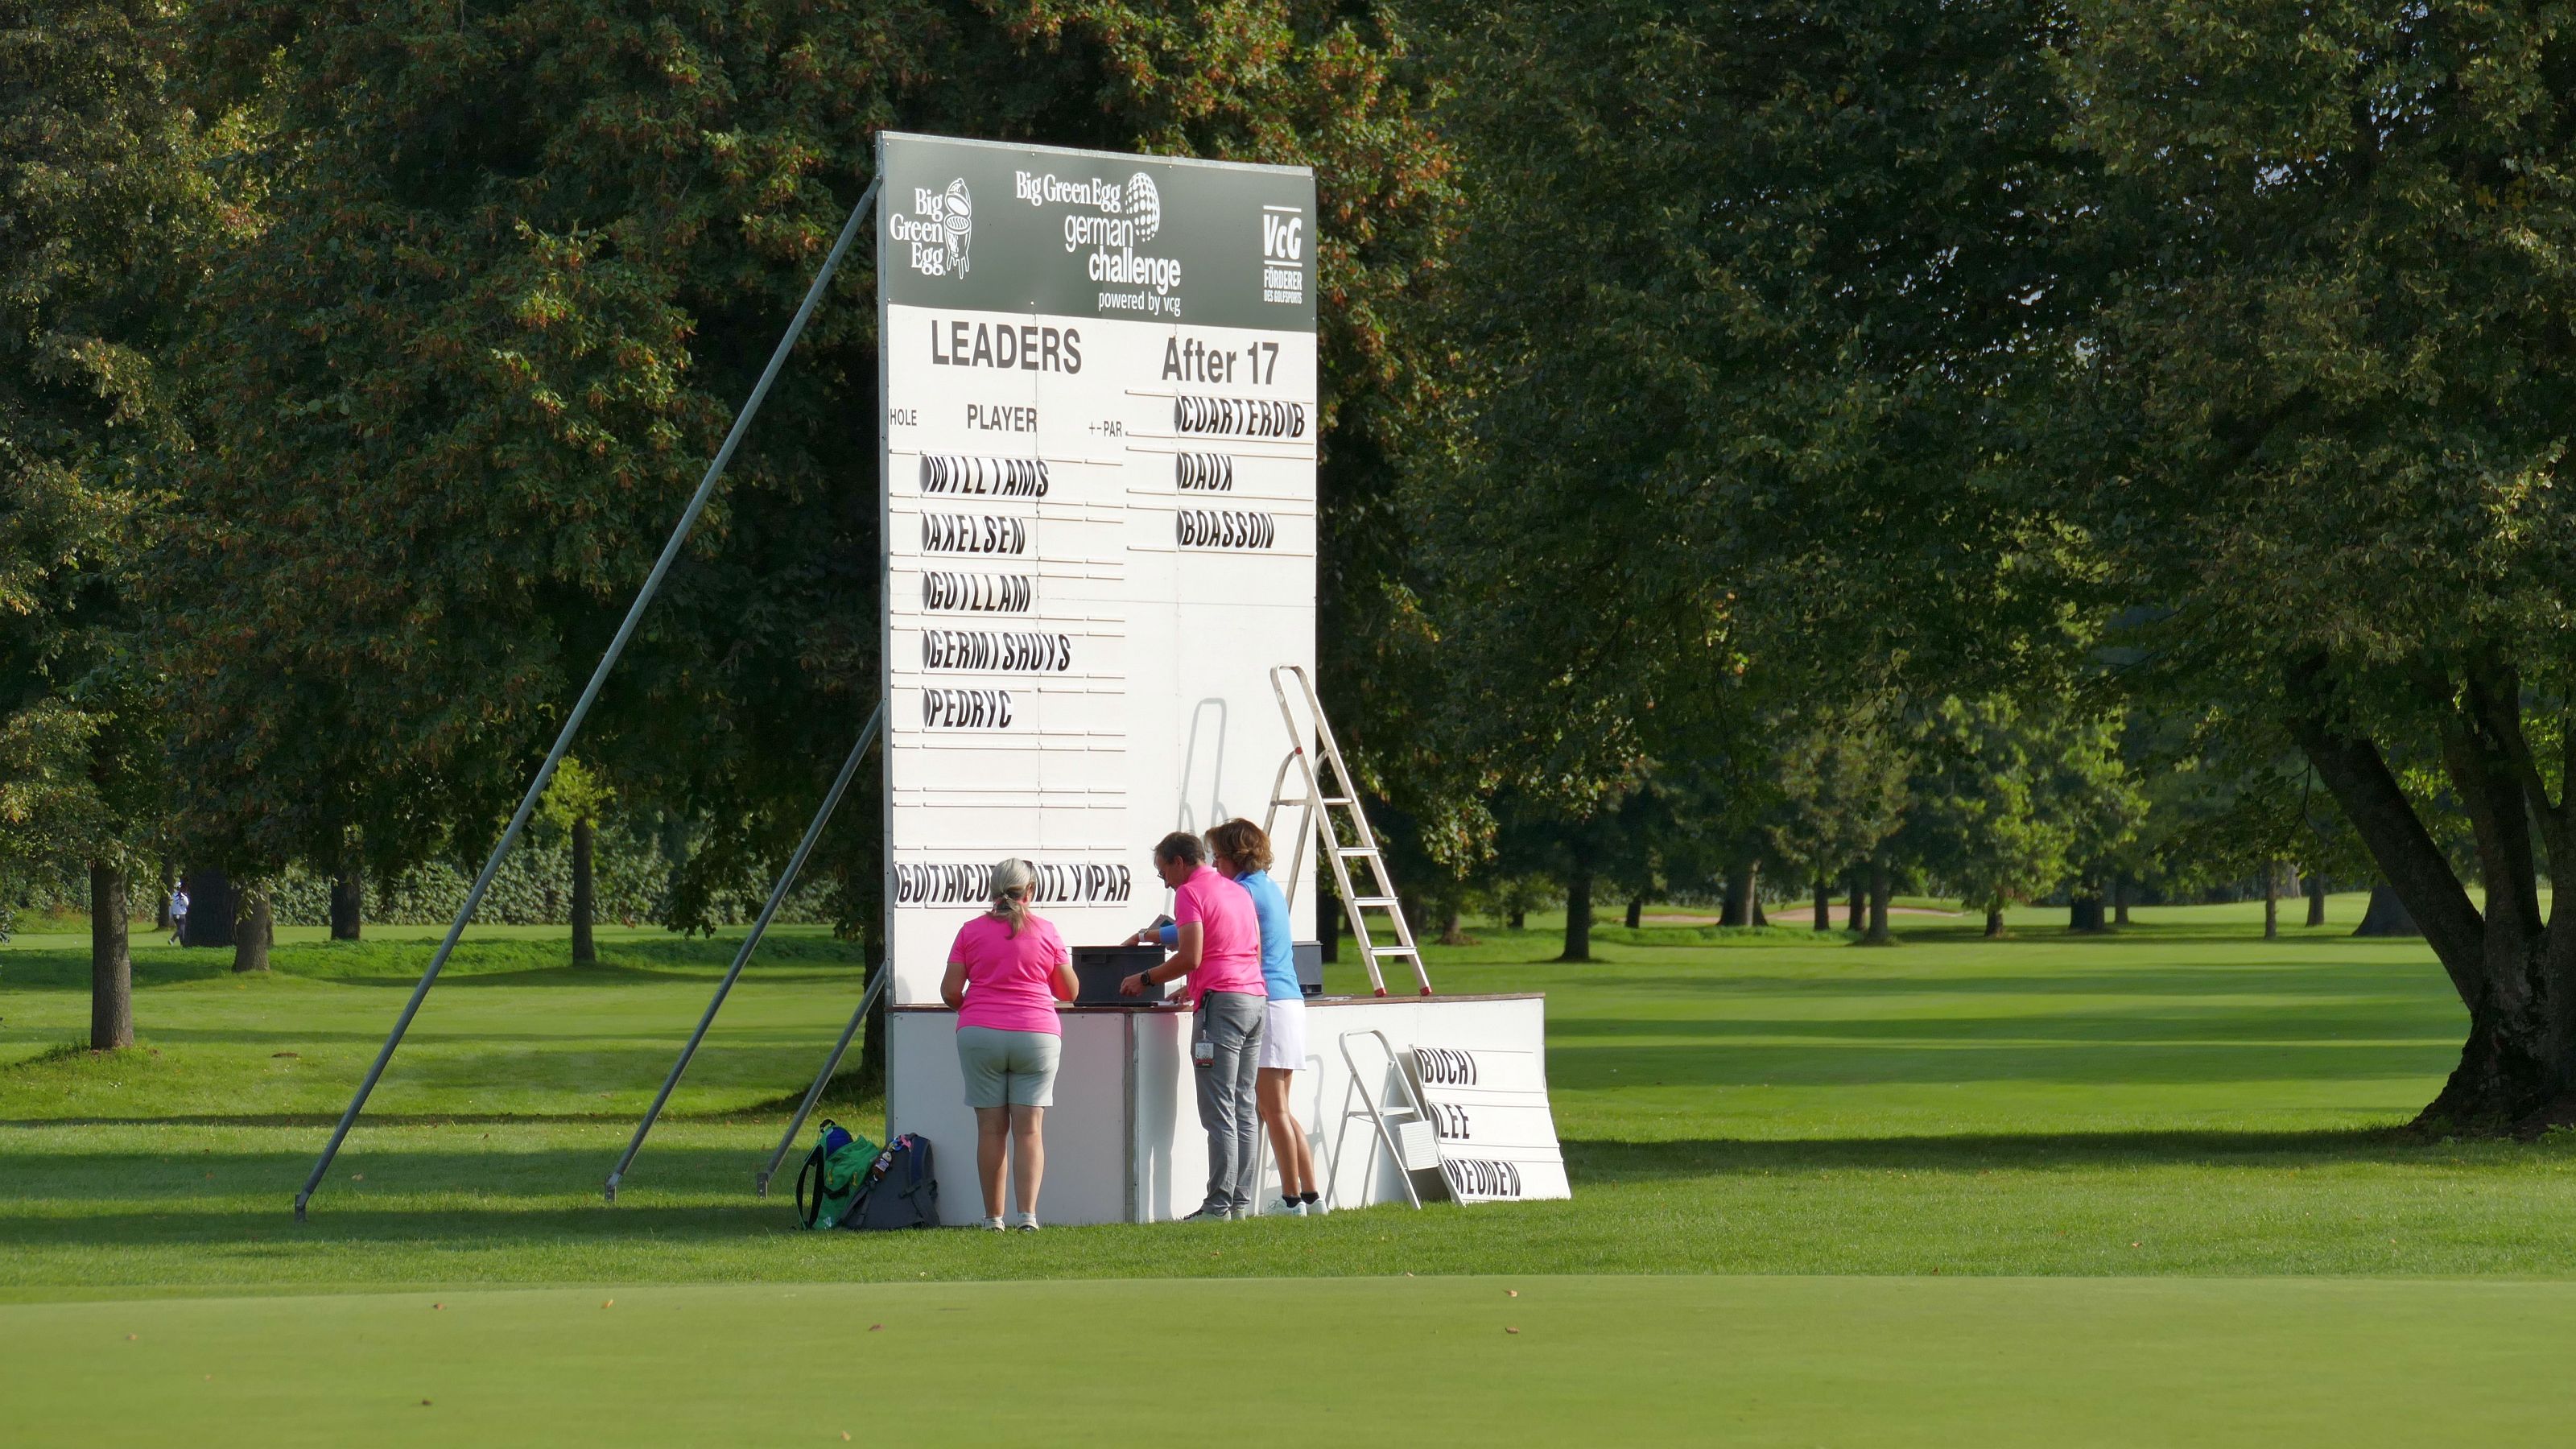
point(2315, 429)
point(105, 215)
point(524, 261)
point(1740, 297)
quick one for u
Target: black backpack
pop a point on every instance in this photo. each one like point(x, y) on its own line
point(900, 1193)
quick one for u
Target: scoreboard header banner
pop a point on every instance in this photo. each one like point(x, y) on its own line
point(993, 227)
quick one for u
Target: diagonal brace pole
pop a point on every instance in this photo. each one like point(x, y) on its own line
point(750, 943)
point(823, 1078)
point(590, 693)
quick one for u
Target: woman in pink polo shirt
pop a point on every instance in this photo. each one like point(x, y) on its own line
point(1005, 974)
point(1218, 947)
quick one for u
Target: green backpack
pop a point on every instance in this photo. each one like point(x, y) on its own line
point(838, 1169)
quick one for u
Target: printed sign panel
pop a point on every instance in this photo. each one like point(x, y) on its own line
point(1099, 495)
point(1489, 1111)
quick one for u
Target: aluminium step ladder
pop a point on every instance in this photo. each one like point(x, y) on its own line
point(1403, 1128)
point(1318, 816)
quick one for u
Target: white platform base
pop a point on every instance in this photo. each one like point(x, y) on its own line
point(1123, 1143)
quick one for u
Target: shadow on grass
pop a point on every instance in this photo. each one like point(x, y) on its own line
point(1601, 1161)
point(496, 962)
point(505, 1179)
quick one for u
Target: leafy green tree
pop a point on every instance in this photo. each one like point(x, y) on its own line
point(105, 212)
point(1843, 791)
point(2010, 802)
point(520, 263)
point(2313, 432)
point(1742, 296)
point(574, 801)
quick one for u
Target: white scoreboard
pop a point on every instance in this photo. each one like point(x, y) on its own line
point(1099, 419)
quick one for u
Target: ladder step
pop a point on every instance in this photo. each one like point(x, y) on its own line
point(1350, 852)
point(1391, 950)
point(1336, 800)
point(1383, 903)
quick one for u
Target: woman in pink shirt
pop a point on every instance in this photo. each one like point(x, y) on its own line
point(1005, 974)
point(1217, 945)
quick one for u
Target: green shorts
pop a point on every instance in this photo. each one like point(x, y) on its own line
point(1008, 1068)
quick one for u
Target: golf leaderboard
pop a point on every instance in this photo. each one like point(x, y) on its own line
point(1100, 432)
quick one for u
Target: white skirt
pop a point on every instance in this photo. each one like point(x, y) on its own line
point(1283, 1033)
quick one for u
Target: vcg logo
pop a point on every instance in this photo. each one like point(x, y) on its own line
point(937, 229)
point(1283, 254)
point(1283, 237)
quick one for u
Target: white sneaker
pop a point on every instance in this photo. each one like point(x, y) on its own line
point(1025, 1225)
point(1315, 1209)
point(1210, 1215)
point(990, 1225)
point(1280, 1207)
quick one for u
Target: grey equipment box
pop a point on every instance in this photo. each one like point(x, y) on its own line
point(1310, 967)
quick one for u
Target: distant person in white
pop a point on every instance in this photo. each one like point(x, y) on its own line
point(178, 915)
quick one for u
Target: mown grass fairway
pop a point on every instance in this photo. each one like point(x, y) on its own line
point(1712, 1360)
point(2179, 1101)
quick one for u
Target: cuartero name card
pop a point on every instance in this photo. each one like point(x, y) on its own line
point(1099, 518)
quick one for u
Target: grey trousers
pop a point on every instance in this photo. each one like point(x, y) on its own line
point(1227, 1107)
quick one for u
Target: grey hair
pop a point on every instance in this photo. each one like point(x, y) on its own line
point(1014, 880)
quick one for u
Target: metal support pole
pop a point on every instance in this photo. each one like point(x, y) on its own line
point(867, 998)
point(590, 693)
point(750, 943)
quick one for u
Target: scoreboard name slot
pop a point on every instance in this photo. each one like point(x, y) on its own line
point(1445, 1066)
point(1057, 884)
point(1242, 417)
point(1203, 472)
point(971, 474)
point(966, 709)
point(1483, 1177)
point(978, 593)
point(973, 533)
point(989, 649)
point(1224, 528)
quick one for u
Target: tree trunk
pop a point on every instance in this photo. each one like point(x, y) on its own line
point(1994, 922)
point(1759, 918)
point(584, 953)
point(349, 899)
point(1519, 919)
point(161, 902)
point(111, 964)
point(2271, 900)
point(1882, 884)
point(2120, 900)
point(210, 909)
point(252, 933)
point(1578, 917)
point(2316, 899)
point(2084, 913)
point(2386, 915)
point(1859, 918)
point(1737, 908)
point(1824, 902)
point(2504, 962)
point(1328, 921)
point(1453, 931)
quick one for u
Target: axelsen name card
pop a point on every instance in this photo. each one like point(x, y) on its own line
point(1099, 394)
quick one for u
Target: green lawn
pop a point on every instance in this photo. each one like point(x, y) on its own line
point(2181, 1116)
point(1700, 1360)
